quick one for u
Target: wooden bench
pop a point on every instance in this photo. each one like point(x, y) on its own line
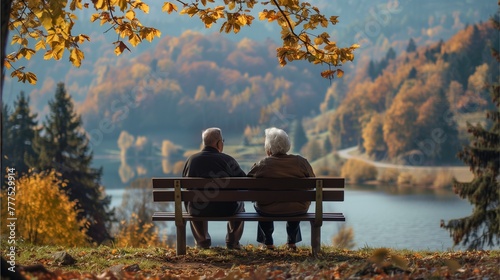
point(182, 189)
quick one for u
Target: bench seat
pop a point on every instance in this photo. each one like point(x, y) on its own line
point(249, 216)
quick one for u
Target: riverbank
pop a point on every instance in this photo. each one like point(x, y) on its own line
point(106, 262)
point(460, 173)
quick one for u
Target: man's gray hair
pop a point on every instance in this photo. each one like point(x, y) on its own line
point(210, 136)
point(277, 141)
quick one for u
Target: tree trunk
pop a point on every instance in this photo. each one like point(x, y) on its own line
point(5, 16)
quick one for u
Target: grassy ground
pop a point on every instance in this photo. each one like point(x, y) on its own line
point(106, 262)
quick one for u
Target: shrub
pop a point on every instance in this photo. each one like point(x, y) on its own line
point(45, 215)
point(405, 178)
point(344, 239)
point(424, 179)
point(137, 233)
point(389, 176)
point(357, 171)
point(444, 179)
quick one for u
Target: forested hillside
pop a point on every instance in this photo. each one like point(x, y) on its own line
point(195, 79)
point(411, 105)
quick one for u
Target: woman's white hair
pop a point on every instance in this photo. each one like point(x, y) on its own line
point(277, 141)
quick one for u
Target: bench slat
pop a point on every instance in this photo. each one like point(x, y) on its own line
point(200, 196)
point(248, 183)
point(248, 216)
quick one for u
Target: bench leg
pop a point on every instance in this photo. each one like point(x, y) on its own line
point(315, 239)
point(181, 239)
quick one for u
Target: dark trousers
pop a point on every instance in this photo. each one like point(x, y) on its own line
point(265, 230)
point(199, 229)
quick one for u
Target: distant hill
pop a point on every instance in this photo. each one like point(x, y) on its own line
point(412, 105)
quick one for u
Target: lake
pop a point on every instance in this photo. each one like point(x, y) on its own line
point(389, 216)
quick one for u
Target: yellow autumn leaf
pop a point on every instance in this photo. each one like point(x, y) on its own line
point(123, 4)
point(94, 17)
point(208, 21)
point(242, 19)
point(143, 7)
point(334, 19)
point(231, 5)
point(222, 27)
point(57, 50)
point(169, 7)
point(120, 47)
point(355, 46)
point(75, 4)
point(149, 33)
point(191, 11)
point(99, 4)
point(31, 77)
point(76, 57)
point(318, 40)
point(16, 73)
point(28, 53)
point(134, 39)
point(236, 28)
point(340, 73)
point(263, 15)
point(47, 55)
point(130, 14)
point(46, 20)
point(324, 23)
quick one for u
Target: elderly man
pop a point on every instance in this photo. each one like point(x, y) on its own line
point(278, 164)
point(210, 162)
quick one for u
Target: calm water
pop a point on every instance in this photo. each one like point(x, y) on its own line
point(380, 217)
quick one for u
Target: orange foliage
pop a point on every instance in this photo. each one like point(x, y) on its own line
point(45, 215)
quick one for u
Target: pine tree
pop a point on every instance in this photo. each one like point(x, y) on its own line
point(391, 54)
point(299, 137)
point(411, 46)
point(482, 227)
point(22, 130)
point(372, 71)
point(64, 146)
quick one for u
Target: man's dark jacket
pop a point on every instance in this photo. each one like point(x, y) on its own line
point(210, 163)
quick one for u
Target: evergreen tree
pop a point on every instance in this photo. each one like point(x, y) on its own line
point(372, 70)
point(64, 146)
point(327, 145)
point(411, 46)
point(413, 73)
point(22, 132)
point(299, 137)
point(482, 227)
point(391, 54)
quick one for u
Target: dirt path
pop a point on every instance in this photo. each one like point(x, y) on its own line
point(462, 173)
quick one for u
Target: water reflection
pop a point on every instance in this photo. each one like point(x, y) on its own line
point(404, 190)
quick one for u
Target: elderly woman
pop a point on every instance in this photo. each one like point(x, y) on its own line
point(279, 164)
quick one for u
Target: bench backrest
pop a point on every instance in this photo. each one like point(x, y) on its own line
point(248, 189)
point(181, 189)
